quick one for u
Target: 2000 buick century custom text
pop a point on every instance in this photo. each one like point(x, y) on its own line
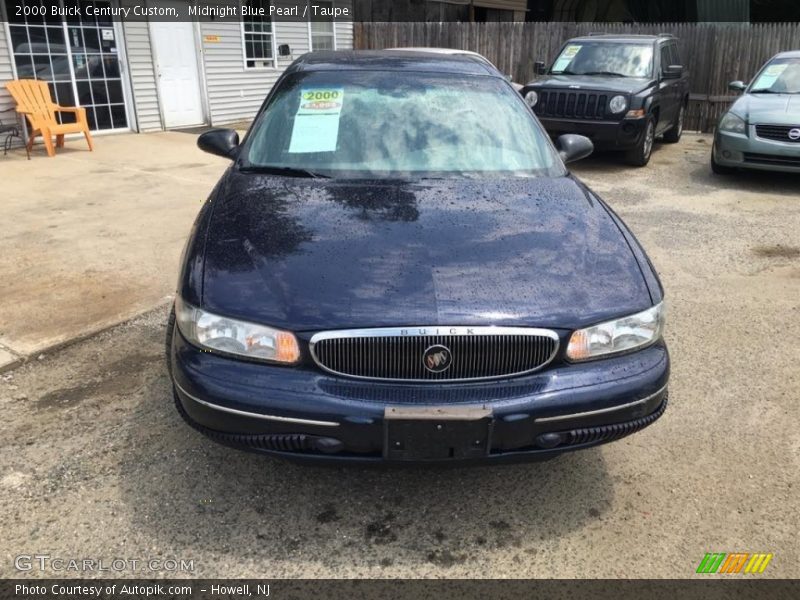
point(397, 266)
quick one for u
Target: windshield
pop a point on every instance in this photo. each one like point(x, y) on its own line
point(605, 58)
point(780, 76)
point(368, 124)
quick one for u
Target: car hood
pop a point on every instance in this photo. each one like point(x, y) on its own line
point(622, 85)
point(311, 254)
point(769, 109)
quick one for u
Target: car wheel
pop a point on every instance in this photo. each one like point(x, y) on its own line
point(170, 332)
point(673, 136)
point(640, 155)
point(719, 169)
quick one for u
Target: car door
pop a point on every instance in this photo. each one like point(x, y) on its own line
point(668, 89)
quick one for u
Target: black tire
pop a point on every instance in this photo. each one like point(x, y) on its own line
point(640, 155)
point(719, 169)
point(673, 136)
point(168, 346)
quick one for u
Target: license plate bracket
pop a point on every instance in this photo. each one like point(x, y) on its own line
point(434, 433)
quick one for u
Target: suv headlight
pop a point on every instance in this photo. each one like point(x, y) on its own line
point(618, 104)
point(531, 98)
point(621, 335)
point(733, 123)
point(231, 336)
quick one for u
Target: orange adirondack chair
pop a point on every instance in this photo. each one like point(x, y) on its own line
point(33, 101)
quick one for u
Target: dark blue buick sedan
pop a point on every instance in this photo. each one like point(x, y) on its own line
point(397, 266)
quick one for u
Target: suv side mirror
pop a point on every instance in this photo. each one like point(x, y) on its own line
point(737, 86)
point(539, 67)
point(573, 147)
point(673, 72)
point(222, 142)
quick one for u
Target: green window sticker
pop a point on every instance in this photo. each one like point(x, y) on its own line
point(316, 123)
point(569, 53)
point(770, 76)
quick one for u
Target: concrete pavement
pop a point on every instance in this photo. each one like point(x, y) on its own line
point(90, 239)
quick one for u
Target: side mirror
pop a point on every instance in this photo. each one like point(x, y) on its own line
point(539, 67)
point(573, 147)
point(737, 86)
point(673, 72)
point(222, 142)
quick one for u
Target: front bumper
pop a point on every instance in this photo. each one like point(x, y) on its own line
point(304, 413)
point(608, 135)
point(751, 152)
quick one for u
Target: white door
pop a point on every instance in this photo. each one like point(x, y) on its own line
point(176, 73)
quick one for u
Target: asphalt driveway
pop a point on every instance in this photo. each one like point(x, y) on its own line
point(96, 463)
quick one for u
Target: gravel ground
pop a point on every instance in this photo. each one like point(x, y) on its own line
point(96, 463)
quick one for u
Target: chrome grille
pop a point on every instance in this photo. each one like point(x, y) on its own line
point(396, 354)
point(779, 133)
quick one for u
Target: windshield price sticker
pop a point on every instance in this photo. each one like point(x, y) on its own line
point(566, 57)
point(316, 123)
point(770, 75)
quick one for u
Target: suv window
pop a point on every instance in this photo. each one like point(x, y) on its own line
point(620, 59)
point(666, 58)
point(676, 55)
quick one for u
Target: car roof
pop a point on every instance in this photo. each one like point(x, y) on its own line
point(789, 54)
point(623, 37)
point(394, 60)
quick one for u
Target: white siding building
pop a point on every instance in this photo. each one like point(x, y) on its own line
point(150, 75)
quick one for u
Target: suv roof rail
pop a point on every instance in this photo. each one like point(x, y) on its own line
point(667, 35)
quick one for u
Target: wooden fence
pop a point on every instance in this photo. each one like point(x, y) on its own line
point(714, 53)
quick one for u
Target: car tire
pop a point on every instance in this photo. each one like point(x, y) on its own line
point(673, 136)
point(170, 333)
point(719, 169)
point(640, 155)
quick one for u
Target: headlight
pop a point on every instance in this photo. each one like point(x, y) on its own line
point(231, 336)
point(531, 98)
point(618, 104)
point(733, 123)
point(621, 335)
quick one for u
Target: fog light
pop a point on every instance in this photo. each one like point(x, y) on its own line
point(726, 154)
point(549, 440)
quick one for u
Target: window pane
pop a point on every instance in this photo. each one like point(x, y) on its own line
point(114, 91)
point(103, 116)
point(19, 38)
point(118, 115)
point(38, 40)
point(90, 117)
point(59, 69)
point(91, 40)
point(322, 42)
point(84, 93)
point(24, 64)
point(66, 97)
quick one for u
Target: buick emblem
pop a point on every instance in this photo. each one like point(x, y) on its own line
point(794, 134)
point(437, 359)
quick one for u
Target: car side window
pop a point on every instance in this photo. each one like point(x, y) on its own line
point(676, 55)
point(666, 58)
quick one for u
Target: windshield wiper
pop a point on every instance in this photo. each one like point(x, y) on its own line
point(767, 91)
point(609, 73)
point(287, 171)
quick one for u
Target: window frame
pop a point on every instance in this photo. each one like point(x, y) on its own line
point(273, 44)
point(333, 27)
